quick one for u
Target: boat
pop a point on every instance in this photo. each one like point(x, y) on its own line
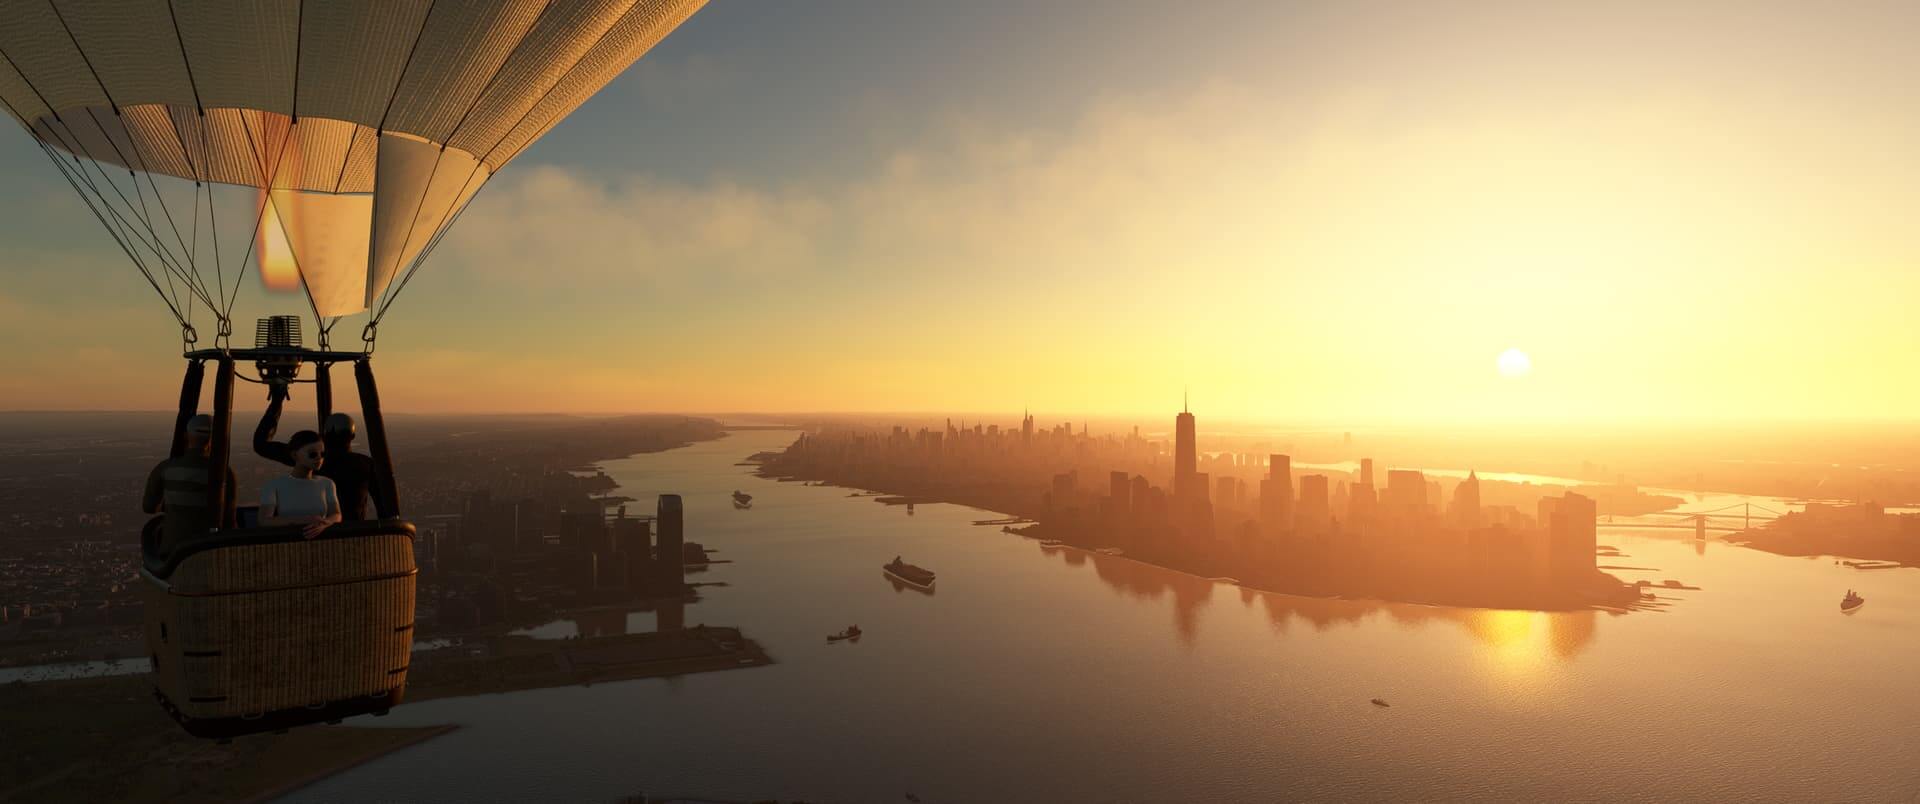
point(852, 633)
point(1051, 542)
point(1381, 703)
point(742, 498)
point(909, 574)
point(1852, 601)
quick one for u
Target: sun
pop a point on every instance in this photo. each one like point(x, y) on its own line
point(1514, 363)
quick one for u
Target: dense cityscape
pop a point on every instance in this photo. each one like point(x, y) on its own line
point(510, 529)
point(1255, 518)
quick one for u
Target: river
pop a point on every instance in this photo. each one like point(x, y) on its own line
point(1059, 675)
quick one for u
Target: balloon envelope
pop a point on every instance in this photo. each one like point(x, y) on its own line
point(410, 104)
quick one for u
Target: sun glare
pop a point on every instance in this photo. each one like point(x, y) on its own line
point(1514, 363)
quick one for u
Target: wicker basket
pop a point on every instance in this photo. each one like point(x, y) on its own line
point(258, 630)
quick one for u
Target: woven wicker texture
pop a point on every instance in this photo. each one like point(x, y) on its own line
point(257, 628)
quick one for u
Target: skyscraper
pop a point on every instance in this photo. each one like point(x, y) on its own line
point(1313, 514)
point(1466, 502)
point(1276, 493)
point(1185, 458)
point(1406, 492)
point(1366, 471)
point(1119, 487)
point(1571, 524)
point(673, 537)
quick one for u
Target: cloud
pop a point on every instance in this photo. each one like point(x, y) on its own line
point(1118, 187)
point(547, 223)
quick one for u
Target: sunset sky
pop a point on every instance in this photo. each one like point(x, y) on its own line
point(1320, 211)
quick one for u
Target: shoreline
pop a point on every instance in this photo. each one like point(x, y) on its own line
point(132, 751)
point(1624, 596)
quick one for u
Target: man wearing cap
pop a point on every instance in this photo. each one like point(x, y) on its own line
point(179, 488)
point(351, 472)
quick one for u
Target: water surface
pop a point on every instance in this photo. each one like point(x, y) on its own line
point(1056, 675)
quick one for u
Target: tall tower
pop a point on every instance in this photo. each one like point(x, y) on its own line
point(1466, 502)
point(1026, 429)
point(1312, 516)
point(1185, 458)
point(672, 540)
point(1276, 493)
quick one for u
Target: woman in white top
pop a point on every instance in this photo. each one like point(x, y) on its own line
point(300, 498)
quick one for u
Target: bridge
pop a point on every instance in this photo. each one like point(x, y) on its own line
point(1730, 519)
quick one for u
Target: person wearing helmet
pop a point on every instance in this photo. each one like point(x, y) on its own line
point(351, 472)
point(178, 488)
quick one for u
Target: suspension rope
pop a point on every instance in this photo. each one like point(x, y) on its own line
point(134, 143)
point(451, 216)
point(116, 226)
point(261, 217)
point(448, 219)
point(76, 177)
point(172, 304)
point(70, 142)
point(418, 206)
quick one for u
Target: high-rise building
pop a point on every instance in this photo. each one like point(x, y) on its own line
point(1406, 492)
point(1362, 501)
point(1312, 515)
point(1572, 531)
point(633, 543)
point(1276, 493)
point(1466, 502)
point(1366, 471)
point(1225, 491)
point(1119, 488)
point(1064, 485)
point(673, 537)
point(1185, 459)
point(1137, 495)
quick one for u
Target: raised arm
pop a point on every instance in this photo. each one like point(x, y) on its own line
point(263, 443)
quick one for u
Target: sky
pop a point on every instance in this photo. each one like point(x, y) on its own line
point(1295, 211)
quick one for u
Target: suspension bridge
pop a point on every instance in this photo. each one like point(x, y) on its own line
point(1730, 519)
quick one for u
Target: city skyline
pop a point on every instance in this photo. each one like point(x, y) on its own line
point(1376, 400)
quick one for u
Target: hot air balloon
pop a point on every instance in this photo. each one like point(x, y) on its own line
point(358, 130)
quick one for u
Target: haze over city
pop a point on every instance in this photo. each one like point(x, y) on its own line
point(664, 402)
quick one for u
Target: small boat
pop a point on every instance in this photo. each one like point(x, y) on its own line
point(852, 633)
point(1051, 542)
point(742, 498)
point(909, 509)
point(909, 574)
point(1852, 601)
point(1381, 703)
